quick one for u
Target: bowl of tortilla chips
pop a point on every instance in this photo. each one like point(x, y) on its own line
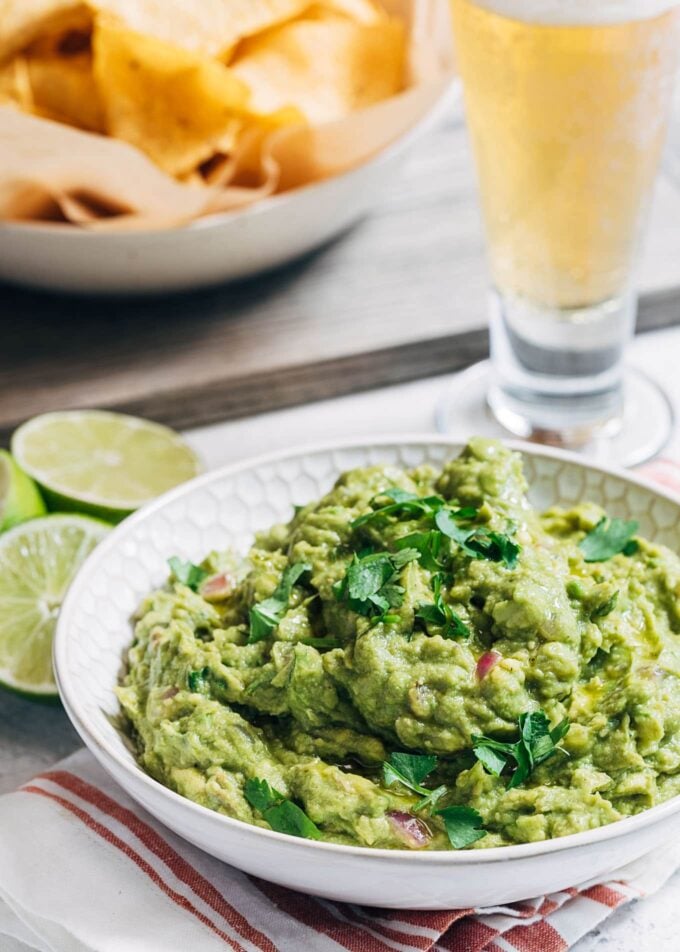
point(150, 145)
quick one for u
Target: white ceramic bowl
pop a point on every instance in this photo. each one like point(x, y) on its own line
point(217, 248)
point(223, 508)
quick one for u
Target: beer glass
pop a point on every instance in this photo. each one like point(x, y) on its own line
point(567, 103)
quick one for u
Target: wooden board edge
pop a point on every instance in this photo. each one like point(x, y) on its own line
point(235, 398)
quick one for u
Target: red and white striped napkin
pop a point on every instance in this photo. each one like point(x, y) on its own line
point(84, 869)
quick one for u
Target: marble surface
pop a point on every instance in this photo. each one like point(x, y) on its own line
point(35, 736)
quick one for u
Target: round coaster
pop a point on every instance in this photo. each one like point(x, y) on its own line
point(645, 428)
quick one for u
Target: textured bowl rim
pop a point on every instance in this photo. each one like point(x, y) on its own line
point(451, 91)
point(104, 750)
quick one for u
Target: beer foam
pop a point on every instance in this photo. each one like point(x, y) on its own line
point(578, 12)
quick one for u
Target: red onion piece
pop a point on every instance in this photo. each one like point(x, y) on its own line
point(487, 661)
point(409, 829)
point(217, 587)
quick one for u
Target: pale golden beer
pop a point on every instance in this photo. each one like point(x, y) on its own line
point(567, 102)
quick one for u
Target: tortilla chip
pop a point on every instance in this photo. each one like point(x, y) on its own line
point(15, 85)
point(63, 88)
point(43, 162)
point(25, 21)
point(327, 67)
point(210, 27)
point(178, 108)
point(363, 11)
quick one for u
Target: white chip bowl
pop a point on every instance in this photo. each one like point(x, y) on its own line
point(214, 249)
point(224, 508)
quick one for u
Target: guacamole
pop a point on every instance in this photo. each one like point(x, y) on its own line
point(418, 660)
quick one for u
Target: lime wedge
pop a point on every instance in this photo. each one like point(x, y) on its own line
point(19, 496)
point(38, 559)
point(104, 464)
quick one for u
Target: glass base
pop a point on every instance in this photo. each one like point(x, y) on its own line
point(557, 371)
point(470, 406)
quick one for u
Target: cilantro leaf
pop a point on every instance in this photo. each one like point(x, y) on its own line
point(281, 814)
point(368, 575)
point(478, 542)
point(463, 825)
point(187, 573)
point(442, 615)
point(429, 546)
point(288, 817)
point(494, 546)
point(446, 618)
point(402, 503)
point(261, 795)
point(369, 586)
point(467, 512)
point(536, 743)
point(535, 733)
point(291, 575)
point(446, 523)
point(410, 770)
point(495, 761)
point(609, 538)
point(431, 614)
point(264, 616)
point(560, 731)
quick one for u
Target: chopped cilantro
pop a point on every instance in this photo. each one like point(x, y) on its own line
point(410, 770)
point(467, 512)
point(264, 618)
point(196, 680)
point(479, 542)
point(494, 546)
point(187, 573)
point(261, 795)
point(463, 825)
point(288, 817)
point(401, 503)
point(281, 814)
point(366, 576)
point(369, 587)
point(265, 615)
point(291, 575)
point(609, 538)
point(440, 614)
point(536, 743)
point(431, 547)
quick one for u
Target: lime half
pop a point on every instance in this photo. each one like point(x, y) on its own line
point(19, 496)
point(38, 560)
point(104, 464)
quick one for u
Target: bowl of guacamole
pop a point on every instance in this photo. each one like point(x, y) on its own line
point(427, 654)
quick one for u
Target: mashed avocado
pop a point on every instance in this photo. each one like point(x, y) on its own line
point(418, 660)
